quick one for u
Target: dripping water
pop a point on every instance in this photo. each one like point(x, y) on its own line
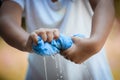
point(45, 67)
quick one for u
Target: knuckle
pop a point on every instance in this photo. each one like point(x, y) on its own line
point(40, 31)
point(32, 34)
point(48, 32)
point(56, 30)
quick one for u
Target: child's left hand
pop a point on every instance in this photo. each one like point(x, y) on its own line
point(81, 50)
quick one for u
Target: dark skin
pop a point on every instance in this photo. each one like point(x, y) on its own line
point(54, 0)
point(101, 25)
point(12, 32)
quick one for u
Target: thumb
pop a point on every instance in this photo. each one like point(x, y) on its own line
point(34, 37)
point(75, 39)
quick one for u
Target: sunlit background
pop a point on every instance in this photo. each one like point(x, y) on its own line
point(13, 63)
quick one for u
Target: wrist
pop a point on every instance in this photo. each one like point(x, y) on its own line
point(26, 45)
point(96, 44)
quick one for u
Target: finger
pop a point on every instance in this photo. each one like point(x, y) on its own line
point(69, 57)
point(56, 33)
point(66, 57)
point(68, 51)
point(76, 59)
point(64, 53)
point(42, 34)
point(34, 37)
point(75, 39)
point(49, 36)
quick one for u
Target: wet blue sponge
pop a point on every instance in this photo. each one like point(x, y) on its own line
point(51, 48)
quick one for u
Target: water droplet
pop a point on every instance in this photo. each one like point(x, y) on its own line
point(61, 76)
point(53, 57)
point(56, 62)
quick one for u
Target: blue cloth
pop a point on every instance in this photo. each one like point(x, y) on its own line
point(51, 48)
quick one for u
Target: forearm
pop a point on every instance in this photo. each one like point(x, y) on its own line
point(102, 22)
point(84, 48)
point(10, 25)
point(12, 33)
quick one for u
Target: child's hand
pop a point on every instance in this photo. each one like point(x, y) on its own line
point(45, 33)
point(81, 50)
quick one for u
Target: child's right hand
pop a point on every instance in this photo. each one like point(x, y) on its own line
point(45, 33)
